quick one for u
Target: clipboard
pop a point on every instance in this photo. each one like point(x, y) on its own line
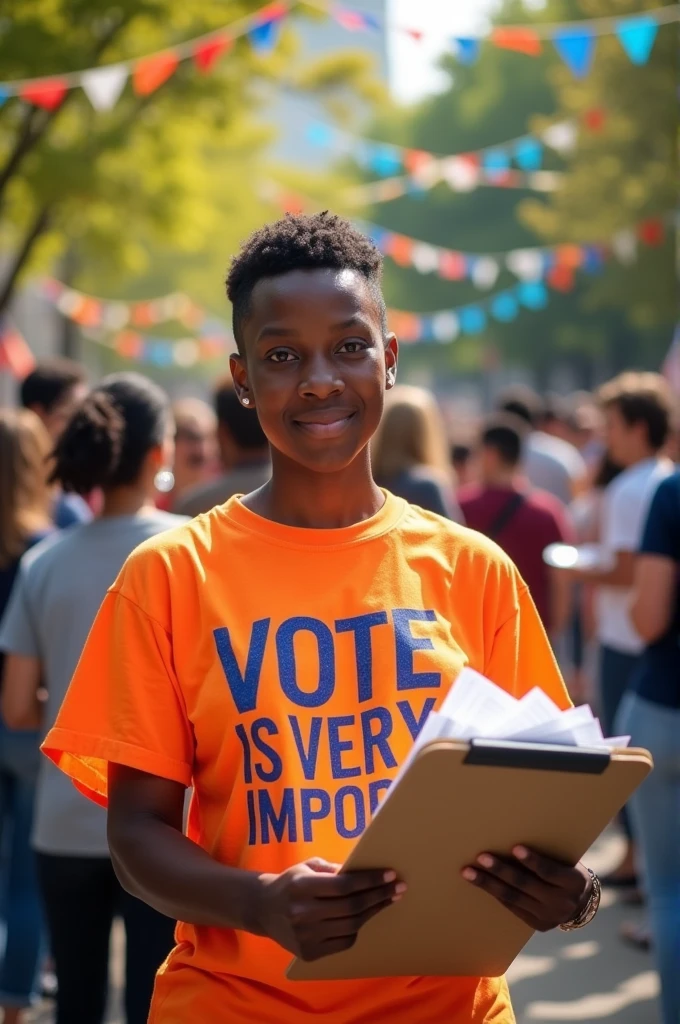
point(456, 800)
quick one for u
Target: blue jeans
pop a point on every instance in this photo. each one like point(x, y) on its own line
point(655, 813)
point(19, 763)
point(616, 674)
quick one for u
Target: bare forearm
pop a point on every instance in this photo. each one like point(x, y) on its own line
point(165, 869)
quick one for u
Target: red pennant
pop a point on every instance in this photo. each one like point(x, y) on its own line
point(416, 159)
point(561, 278)
point(208, 53)
point(15, 355)
point(151, 72)
point(651, 231)
point(400, 248)
point(452, 266)
point(129, 344)
point(594, 119)
point(415, 34)
point(49, 95)
point(522, 40)
point(272, 12)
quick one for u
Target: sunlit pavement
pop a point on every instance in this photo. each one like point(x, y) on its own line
point(588, 976)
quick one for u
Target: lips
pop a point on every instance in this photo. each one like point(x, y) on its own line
point(325, 423)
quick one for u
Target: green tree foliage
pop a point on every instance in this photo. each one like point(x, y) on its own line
point(618, 176)
point(158, 190)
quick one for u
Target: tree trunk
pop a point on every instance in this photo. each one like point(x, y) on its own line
point(36, 229)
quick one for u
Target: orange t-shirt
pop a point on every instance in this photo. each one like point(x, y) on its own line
point(284, 674)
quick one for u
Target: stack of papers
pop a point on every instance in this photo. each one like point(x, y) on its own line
point(475, 708)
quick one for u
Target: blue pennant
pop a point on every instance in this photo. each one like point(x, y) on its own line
point(467, 50)
point(529, 154)
point(319, 134)
point(637, 36)
point(385, 161)
point(576, 47)
point(533, 294)
point(505, 307)
point(472, 320)
point(264, 36)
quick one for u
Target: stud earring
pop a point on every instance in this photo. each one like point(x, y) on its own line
point(164, 481)
point(246, 401)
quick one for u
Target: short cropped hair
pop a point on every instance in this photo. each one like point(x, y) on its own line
point(50, 382)
point(318, 242)
point(641, 398)
point(522, 402)
point(505, 433)
point(242, 424)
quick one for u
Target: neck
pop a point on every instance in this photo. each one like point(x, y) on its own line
point(296, 496)
point(504, 477)
point(249, 457)
point(640, 453)
point(126, 501)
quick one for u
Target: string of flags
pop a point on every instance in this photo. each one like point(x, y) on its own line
point(104, 85)
point(575, 42)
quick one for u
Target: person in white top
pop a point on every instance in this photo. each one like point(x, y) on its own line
point(550, 463)
point(637, 411)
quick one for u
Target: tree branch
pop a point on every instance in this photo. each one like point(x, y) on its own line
point(37, 228)
point(33, 128)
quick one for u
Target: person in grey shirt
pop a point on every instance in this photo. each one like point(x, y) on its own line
point(244, 451)
point(119, 440)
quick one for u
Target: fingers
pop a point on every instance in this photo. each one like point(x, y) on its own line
point(322, 866)
point(513, 896)
point(335, 886)
point(554, 872)
point(342, 927)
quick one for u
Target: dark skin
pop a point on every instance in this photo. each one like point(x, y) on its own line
point(316, 366)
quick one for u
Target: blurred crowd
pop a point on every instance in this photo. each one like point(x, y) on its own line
point(582, 492)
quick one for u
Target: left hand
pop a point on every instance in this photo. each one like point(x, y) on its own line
point(542, 892)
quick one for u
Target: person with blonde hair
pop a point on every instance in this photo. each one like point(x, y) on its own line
point(25, 507)
point(410, 452)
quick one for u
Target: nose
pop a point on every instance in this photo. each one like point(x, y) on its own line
point(321, 380)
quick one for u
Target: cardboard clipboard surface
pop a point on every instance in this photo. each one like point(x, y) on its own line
point(455, 801)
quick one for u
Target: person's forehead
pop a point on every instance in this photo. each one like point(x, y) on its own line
point(300, 291)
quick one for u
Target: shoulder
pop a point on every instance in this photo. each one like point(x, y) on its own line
point(545, 504)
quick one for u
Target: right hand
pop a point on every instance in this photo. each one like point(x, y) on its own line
point(313, 911)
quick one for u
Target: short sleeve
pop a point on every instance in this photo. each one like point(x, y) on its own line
point(623, 522)
point(521, 656)
point(18, 634)
point(662, 530)
point(124, 704)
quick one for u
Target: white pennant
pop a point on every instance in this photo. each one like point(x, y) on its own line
point(425, 258)
point(526, 264)
point(561, 137)
point(104, 85)
point(485, 271)
point(624, 246)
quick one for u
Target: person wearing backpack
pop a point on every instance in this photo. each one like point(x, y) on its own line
point(522, 521)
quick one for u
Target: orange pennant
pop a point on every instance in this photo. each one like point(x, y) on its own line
point(15, 355)
point(151, 72)
point(400, 248)
point(522, 40)
point(569, 255)
point(129, 345)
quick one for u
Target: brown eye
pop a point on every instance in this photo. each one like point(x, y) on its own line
point(280, 355)
point(352, 346)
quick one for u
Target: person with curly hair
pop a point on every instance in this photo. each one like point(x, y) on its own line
point(279, 654)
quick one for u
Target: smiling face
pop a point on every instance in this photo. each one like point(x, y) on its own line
point(315, 365)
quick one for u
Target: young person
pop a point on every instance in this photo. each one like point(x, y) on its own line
point(410, 452)
point(52, 391)
point(637, 408)
point(118, 439)
point(280, 653)
point(523, 521)
point(195, 460)
point(25, 503)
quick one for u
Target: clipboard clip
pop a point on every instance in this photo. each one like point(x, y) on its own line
point(537, 756)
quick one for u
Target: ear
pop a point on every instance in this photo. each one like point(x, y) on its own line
point(239, 373)
point(391, 359)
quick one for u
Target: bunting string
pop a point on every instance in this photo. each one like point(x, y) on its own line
point(575, 42)
point(103, 85)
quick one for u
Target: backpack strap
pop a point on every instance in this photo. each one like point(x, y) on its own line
point(505, 516)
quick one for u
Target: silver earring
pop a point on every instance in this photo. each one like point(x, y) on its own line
point(246, 401)
point(164, 481)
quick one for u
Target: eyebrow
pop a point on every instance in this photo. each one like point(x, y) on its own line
point(356, 320)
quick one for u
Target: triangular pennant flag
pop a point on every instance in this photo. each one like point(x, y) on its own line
point(472, 319)
point(15, 355)
point(528, 154)
point(265, 36)
point(576, 47)
point(637, 36)
point(48, 94)
point(445, 326)
point(467, 50)
point(209, 52)
point(416, 34)
point(4, 95)
point(561, 137)
point(103, 86)
point(151, 72)
point(522, 40)
point(504, 307)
